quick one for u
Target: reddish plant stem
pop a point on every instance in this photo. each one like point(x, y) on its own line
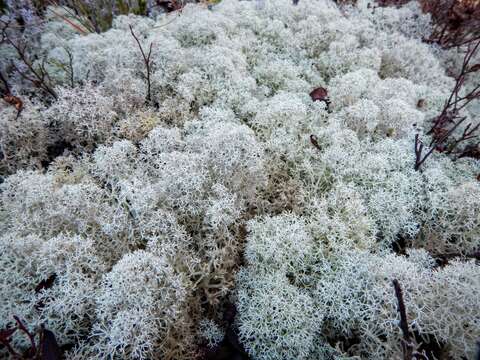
point(30, 336)
point(445, 124)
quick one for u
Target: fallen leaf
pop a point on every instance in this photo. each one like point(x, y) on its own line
point(15, 101)
point(319, 94)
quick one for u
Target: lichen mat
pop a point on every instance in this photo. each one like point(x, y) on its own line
point(183, 190)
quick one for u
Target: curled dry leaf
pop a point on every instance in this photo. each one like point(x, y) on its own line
point(15, 101)
point(319, 94)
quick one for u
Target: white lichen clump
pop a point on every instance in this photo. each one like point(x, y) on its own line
point(148, 219)
point(211, 332)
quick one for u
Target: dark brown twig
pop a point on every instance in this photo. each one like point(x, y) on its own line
point(407, 345)
point(147, 62)
point(38, 77)
point(445, 124)
point(444, 258)
point(455, 23)
point(68, 68)
point(46, 348)
point(419, 156)
point(5, 339)
point(6, 89)
point(22, 328)
point(468, 133)
point(472, 151)
point(408, 341)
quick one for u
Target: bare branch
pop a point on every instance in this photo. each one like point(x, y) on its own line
point(36, 77)
point(5, 340)
point(22, 327)
point(445, 124)
point(70, 66)
point(147, 62)
point(407, 345)
point(456, 23)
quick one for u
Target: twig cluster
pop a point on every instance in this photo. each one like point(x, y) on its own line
point(148, 65)
point(445, 124)
point(37, 76)
point(6, 94)
point(456, 22)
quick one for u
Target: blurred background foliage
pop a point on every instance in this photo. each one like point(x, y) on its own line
point(95, 15)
